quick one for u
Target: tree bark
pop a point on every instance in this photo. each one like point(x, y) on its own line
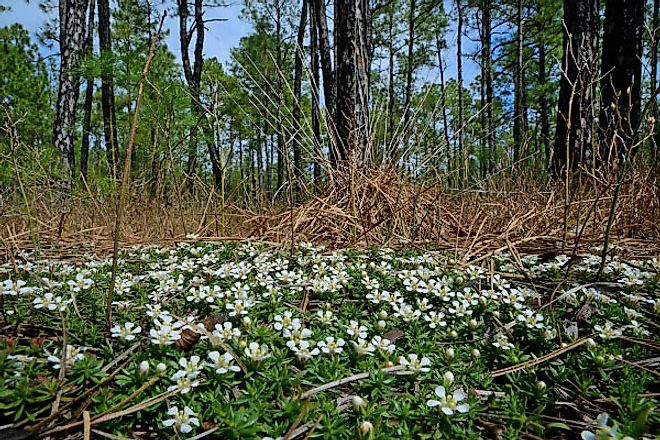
point(107, 89)
point(544, 111)
point(193, 74)
point(519, 111)
point(443, 91)
point(621, 78)
point(391, 97)
point(297, 88)
point(409, 76)
point(462, 153)
point(72, 45)
point(575, 110)
point(654, 70)
point(352, 81)
point(326, 69)
point(89, 96)
point(653, 56)
point(488, 71)
point(282, 153)
point(315, 86)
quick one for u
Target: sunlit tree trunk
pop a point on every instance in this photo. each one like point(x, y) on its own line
point(297, 86)
point(519, 105)
point(443, 91)
point(315, 86)
point(621, 78)
point(107, 89)
point(193, 74)
point(72, 46)
point(89, 96)
point(544, 111)
point(352, 80)
point(461, 153)
point(575, 111)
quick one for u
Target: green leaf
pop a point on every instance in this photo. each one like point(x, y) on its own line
point(559, 425)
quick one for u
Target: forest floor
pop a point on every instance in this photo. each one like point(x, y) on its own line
point(246, 340)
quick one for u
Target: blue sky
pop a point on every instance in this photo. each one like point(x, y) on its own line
point(223, 35)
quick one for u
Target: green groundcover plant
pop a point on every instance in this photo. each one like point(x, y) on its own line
point(242, 340)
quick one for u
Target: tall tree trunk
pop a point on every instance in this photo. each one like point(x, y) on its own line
point(462, 153)
point(107, 89)
point(316, 123)
point(653, 55)
point(72, 45)
point(271, 164)
point(328, 73)
point(575, 110)
point(193, 74)
point(544, 111)
point(89, 95)
point(519, 111)
point(352, 81)
point(259, 165)
point(282, 153)
point(443, 90)
point(621, 78)
point(483, 124)
point(297, 88)
point(487, 59)
point(655, 45)
point(409, 76)
point(391, 97)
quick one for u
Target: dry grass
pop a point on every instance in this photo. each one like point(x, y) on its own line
point(381, 209)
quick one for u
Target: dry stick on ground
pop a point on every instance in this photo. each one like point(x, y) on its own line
point(126, 176)
point(87, 426)
point(539, 360)
point(133, 409)
point(77, 399)
point(132, 396)
point(397, 369)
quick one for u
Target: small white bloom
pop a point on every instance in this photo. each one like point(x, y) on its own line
point(414, 364)
point(303, 349)
point(126, 332)
point(13, 288)
point(356, 330)
point(531, 319)
point(257, 352)
point(435, 319)
point(226, 331)
point(383, 345)
point(447, 404)
point(184, 382)
point(222, 364)
point(363, 347)
point(191, 366)
point(608, 331)
point(325, 316)
point(332, 346)
point(71, 356)
point(181, 421)
point(502, 342)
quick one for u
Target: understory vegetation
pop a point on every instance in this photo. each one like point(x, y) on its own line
point(245, 340)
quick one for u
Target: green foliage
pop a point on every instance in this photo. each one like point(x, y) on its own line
point(25, 98)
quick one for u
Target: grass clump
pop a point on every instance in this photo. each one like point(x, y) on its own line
point(241, 340)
